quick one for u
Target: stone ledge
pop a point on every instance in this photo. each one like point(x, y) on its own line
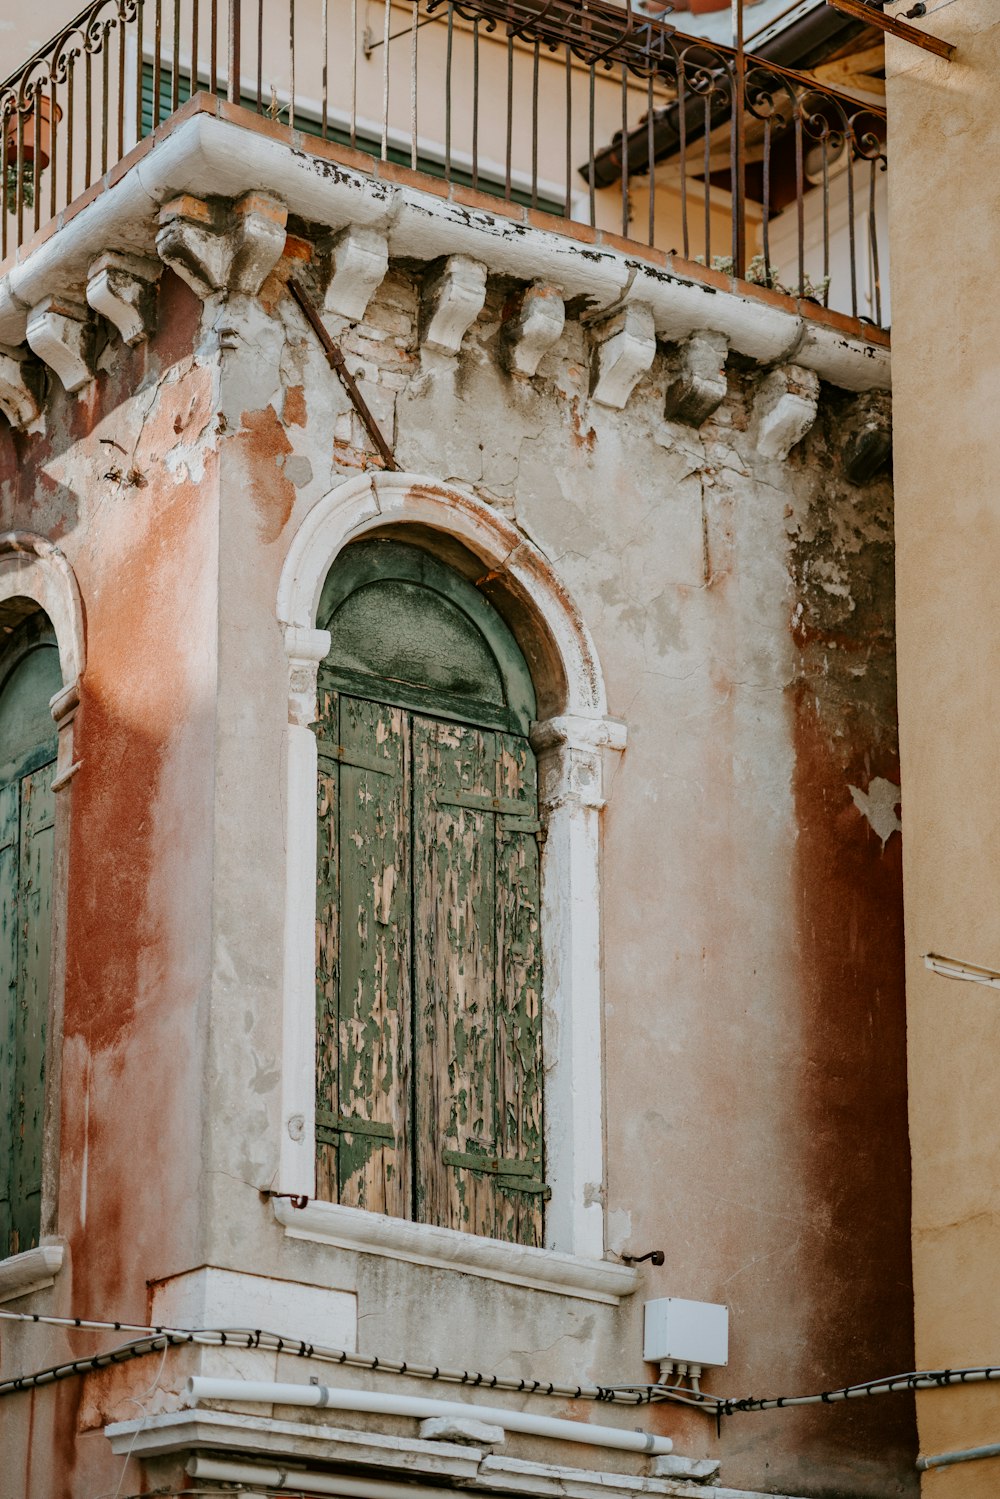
point(227, 157)
point(448, 1249)
point(32, 1270)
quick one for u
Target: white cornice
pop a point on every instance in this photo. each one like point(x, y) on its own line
point(210, 157)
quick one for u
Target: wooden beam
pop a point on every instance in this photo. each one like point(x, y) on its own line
point(859, 11)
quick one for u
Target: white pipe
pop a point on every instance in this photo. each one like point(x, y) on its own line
point(968, 1455)
point(261, 1392)
point(224, 1470)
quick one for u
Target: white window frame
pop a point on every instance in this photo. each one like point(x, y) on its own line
point(570, 744)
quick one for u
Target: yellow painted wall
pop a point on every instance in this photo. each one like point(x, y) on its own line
point(945, 237)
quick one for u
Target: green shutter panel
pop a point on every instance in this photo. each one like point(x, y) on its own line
point(454, 774)
point(35, 942)
point(9, 842)
point(520, 1196)
point(364, 944)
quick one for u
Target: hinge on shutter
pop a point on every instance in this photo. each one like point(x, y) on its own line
point(330, 1126)
point(340, 756)
point(512, 1174)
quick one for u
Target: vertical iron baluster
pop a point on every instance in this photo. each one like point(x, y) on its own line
point(19, 180)
point(534, 124)
point(194, 46)
point(120, 141)
point(235, 51)
point(510, 108)
point(138, 70)
point(53, 141)
point(213, 58)
point(708, 180)
point(591, 182)
point(354, 72)
point(291, 63)
point(475, 102)
point(650, 153)
point(385, 79)
point(105, 89)
point(36, 110)
point(415, 23)
point(569, 130)
point(682, 142)
point(175, 63)
point(873, 234)
point(765, 226)
point(260, 57)
point(447, 92)
point(625, 212)
point(87, 114)
point(826, 219)
point(4, 210)
point(69, 125)
point(800, 200)
point(157, 47)
point(326, 68)
point(739, 180)
point(850, 228)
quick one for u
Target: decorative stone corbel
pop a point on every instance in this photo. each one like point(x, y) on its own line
point(63, 708)
point(222, 251)
point(867, 433)
point(305, 650)
point(359, 259)
point(452, 301)
point(626, 348)
point(122, 288)
point(696, 384)
point(22, 386)
point(570, 758)
point(784, 409)
point(534, 326)
point(62, 335)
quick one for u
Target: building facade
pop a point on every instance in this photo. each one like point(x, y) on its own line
point(462, 855)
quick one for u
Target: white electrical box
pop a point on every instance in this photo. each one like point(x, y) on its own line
point(686, 1332)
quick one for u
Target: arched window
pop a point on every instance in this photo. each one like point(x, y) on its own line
point(429, 1041)
point(29, 676)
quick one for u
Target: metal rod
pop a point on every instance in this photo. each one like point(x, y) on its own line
point(213, 77)
point(413, 85)
point(338, 364)
point(447, 92)
point(175, 66)
point(291, 63)
point(475, 103)
point(534, 123)
point(157, 48)
point(873, 231)
point(739, 147)
point(260, 59)
point(862, 12)
point(235, 51)
point(326, 67)
point(510, 109)
point(386, 20)
point(625, 205)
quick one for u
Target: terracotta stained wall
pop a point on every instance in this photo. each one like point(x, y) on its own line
point(741, 607)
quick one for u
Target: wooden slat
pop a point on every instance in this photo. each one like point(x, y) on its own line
point(37, 821)
point(454, 966)
point(373, 980)
point(518, 986)
point(9, 843)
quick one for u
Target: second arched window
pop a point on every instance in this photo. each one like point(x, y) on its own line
point(429, 1014)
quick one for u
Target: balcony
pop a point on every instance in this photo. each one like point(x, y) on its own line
point(548, 112)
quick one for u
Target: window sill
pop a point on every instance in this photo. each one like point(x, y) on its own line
point(32, 1270)
point(447, 1249)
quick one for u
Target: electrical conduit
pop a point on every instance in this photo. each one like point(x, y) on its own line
point(261, 1392)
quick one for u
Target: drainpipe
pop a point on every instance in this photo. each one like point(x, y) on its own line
point(967, 1455)
point(261, 1392)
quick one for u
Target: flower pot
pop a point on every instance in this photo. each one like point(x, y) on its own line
point(705, 7)
point(37, 132)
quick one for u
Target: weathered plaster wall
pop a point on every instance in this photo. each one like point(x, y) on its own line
point(141, 533)
point(948, 536)
point(742, 611)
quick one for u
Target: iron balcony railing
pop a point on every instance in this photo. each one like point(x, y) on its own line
point(581, 108)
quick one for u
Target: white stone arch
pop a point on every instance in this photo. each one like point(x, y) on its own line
point(34, 568)
point(569, 742)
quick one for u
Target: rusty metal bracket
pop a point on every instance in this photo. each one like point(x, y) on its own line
point(338, 364)
point(859, 11)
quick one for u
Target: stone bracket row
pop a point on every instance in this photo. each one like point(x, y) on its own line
point(229, 249)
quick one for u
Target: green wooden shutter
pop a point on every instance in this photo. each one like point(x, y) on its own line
point(9, 851)
point(479, 1161)
point(34, 941)
point(363, 967)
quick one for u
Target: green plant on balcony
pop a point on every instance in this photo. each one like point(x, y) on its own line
point(27, 186)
